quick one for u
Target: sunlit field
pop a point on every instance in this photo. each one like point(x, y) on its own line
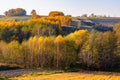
point(71, 76)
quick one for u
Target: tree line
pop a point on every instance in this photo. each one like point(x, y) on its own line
point(91, 50)
point(23, 30)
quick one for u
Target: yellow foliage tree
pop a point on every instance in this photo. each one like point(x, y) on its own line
point(59, 42)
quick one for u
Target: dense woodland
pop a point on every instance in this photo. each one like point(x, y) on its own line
point(39, 43)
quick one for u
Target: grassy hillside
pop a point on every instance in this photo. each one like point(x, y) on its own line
point(109, 22)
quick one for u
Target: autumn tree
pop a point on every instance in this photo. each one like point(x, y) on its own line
point(79, 37)
point(14, 50)
point(88, 54)
point(56, 13)
point(59, 42)
point(65, 20)
point(70, 53)
point(106, 50)
point(98, 50)
point(34, 14)
point(4, 58)
point(44, 26)
point(117, 34)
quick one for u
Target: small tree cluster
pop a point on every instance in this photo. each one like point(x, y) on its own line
point(15, 12)
point(64, 20)
point(56, 13)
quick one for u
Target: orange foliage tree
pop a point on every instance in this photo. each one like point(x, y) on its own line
point(56, 13)
point(34, 14)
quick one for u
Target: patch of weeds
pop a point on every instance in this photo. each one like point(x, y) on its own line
point(3, 78)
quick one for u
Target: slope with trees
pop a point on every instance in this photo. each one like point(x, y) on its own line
point(39, 43)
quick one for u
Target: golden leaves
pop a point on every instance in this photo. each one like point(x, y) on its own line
point(58, 39)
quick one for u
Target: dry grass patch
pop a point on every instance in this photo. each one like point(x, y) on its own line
point(70, 76)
